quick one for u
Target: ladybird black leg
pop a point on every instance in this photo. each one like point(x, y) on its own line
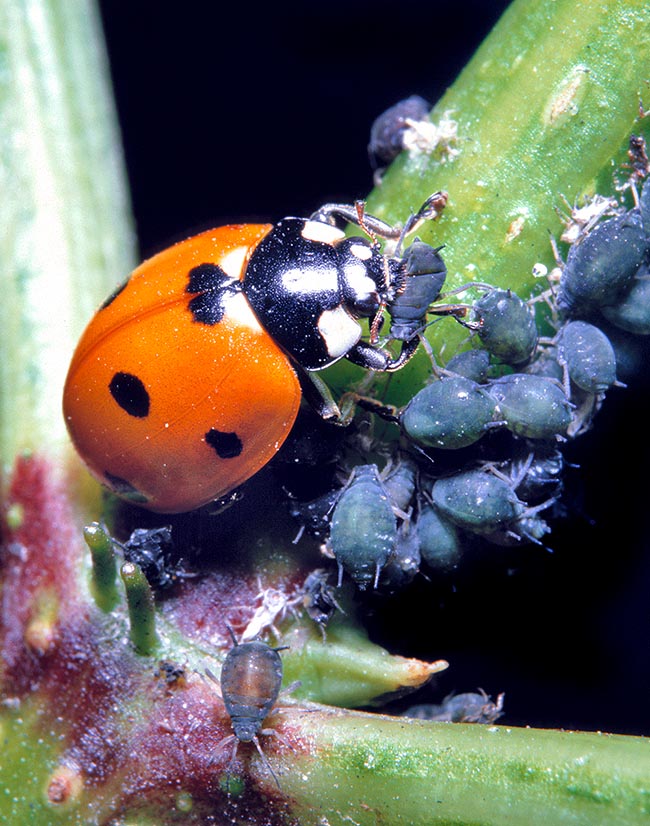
point(388, 412)
point(429, 211)
point(368, 357)
point(407, 352)
point(371, 358)
point(351, 213)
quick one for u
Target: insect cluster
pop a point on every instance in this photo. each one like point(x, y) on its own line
point(188, 379)
point(479, 456)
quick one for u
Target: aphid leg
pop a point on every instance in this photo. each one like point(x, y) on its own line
point(221, 745)
point(214, 679)
point(288, 690)
point(264, 757)
point(378, 568)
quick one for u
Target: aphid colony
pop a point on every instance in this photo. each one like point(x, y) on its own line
point(507, 407)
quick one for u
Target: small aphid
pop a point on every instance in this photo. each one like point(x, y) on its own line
point(582, 218)
point(449, 413)
point(153, 550)
point(506, 326)
point(587, 355)
point(387, 131)
point(318, 598)
point(272, 609)
point(532, 407)
point(470, 707)
point(426, 273)
point(363, 530)
point(172, 673)
point(251, 676)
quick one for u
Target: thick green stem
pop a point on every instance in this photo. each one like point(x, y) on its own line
point(65, 231)
point(369, 769)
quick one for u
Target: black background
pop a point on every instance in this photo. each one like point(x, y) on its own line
point(251, 112)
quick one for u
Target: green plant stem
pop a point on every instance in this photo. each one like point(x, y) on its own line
point(368, 769)
point(65, 228)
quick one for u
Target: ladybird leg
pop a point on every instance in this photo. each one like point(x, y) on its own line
point(355, 214)
point(388, 412)
point(430, 210)
point(371, 358)
point(319, 396)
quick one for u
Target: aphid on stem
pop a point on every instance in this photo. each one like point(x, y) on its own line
point(251, 677)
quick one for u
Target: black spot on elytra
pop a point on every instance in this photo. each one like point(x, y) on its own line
point(211, 286)
point(111, 298)
point(131, 394)
point(226, 445)
point(124, 489)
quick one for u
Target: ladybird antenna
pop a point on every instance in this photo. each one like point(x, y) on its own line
point(360, 209)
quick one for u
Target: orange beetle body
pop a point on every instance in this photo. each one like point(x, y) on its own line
point(188, 378)
point(220, 399)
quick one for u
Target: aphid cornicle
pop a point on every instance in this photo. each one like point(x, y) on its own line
point(251, 677)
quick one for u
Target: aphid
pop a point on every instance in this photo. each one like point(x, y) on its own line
point(400, 482)
point(318, 598)
point(506, 326)
point(251, 677)
point(404, 562)
point(632, 312)
point(546, 364)
point(582, 219)
point(588, 356)
point(273, 607)
point(538, 476)
point(440, 545)
point(314, 516)
point(426, 274)
point(533, 407)
point(602, 265)
point(477, 500)
point(469, 707)
point(449, 413)
point(471, 364)
point(387, 130)
point(153, 550)
point(363, 530)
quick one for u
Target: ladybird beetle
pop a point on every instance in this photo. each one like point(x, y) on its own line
point(188, 378)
